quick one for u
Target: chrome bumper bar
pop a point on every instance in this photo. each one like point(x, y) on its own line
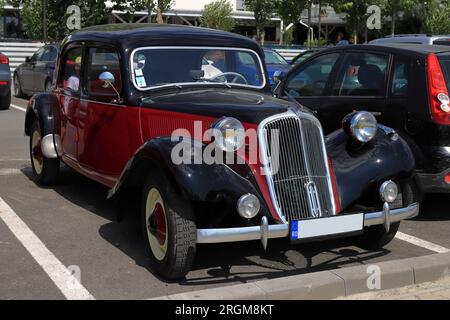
point(266, 231)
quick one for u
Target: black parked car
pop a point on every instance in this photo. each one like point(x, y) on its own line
point(36, 73)
point(405, 85)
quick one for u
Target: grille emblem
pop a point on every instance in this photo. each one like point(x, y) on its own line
point(313, 199)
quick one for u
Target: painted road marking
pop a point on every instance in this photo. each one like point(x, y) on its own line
point(69, 285)
point(9, 171)
point(18, 108)
point(421, 243)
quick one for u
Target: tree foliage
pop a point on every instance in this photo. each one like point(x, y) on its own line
point(263, 11)
point(393, 7)
point(217, 15)
point(436, 17)
point(290, 11)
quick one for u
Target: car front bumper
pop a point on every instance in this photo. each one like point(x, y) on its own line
point(265, 231)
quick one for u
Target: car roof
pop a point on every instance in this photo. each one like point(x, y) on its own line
point(132, 35)
point(421, 49)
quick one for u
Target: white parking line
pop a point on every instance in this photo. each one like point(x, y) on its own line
point(18, 108)
point(421, 243)
point(69, 285)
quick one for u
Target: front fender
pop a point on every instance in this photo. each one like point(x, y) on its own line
point(358, 169)
point(44, 108)
point(217, 183)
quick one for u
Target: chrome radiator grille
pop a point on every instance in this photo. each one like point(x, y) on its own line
point(293, 151)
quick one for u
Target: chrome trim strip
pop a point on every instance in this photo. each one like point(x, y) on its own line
point(391, 216)
point(133, 78)
point(264, 231)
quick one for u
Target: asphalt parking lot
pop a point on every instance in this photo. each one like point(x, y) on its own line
point(78, 226)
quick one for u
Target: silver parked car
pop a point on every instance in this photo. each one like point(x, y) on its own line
point(5, 82)
point(414, 39)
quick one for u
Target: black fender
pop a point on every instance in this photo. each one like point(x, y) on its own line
point(44, 108)
point(361, 167)
point(213, 183)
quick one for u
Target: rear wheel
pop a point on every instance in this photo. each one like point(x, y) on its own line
point(5, 101)
point(45, 170)
point(375, 237)
point(18, 93)
point(169, 229)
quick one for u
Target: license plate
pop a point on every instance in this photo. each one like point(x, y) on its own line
point(329, 226)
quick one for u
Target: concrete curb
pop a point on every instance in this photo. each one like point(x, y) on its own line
point(330, 284)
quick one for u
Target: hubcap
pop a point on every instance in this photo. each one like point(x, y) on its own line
point(36, 151)
point(156, 224)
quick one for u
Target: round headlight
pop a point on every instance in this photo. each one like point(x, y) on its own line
point(229, 135)
point(389, 191)
point(363, 126)
point(248, 206)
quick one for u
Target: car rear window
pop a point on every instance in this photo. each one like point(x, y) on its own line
point(445, 64)
point(442, 42)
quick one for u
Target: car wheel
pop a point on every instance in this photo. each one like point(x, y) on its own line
point(48, 85)
point(169, 229)
point(45, 170)
point(18, 93)
point(375, 237)
point(5, 101)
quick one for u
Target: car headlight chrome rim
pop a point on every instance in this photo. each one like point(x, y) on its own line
point(248, 206)
point(363, 126)
point(229, 134)
point(389, 191)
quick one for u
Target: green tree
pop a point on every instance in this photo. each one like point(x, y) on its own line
point(290, 11)
point(263, 11)
point(217, 15)
point(435, 17)
point(393, 7)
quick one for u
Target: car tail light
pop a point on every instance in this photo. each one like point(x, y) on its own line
point(4, 59)
point(337, 198)
point(447, 178)
point(438, 92)
point(3, 83)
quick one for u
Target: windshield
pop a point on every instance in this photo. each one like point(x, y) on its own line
point(273, 58)
point(155, 67)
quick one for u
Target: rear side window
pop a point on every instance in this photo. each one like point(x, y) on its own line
point(445, 64)
point(311, 79)
point(362, 74)
point(400, 77)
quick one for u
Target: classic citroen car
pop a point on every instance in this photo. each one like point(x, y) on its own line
point(185, 116)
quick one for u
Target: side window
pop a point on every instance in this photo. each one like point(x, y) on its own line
point(49, 54)
point(71, 70)
point(102, 60)
point(38, 55)
point(311, 79)
point(400, 78)
point(362, 74)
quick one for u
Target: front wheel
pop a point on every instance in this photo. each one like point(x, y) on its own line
point(45, 170)
point(169, 229)
point(375, 237)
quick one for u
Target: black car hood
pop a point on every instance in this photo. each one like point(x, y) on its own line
point(244, 105)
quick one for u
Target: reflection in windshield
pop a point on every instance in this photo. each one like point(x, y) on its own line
point(156, 67)
point(273, 58)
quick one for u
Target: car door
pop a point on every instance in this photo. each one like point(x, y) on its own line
point(359, 85)
point(104, 144)
point(68, 92)
point(27, 75)
point(309, 83)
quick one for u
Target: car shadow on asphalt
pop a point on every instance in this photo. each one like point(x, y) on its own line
point(434, 209)
point(215, 263)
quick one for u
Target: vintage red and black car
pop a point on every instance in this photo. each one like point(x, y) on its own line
point(130, 100)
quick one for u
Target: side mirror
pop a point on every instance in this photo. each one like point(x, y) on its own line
point(279, 76)
point(108, 79)
point(108, 82)
point(27, 59)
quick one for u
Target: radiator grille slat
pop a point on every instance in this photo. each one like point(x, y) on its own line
point(297, 160)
